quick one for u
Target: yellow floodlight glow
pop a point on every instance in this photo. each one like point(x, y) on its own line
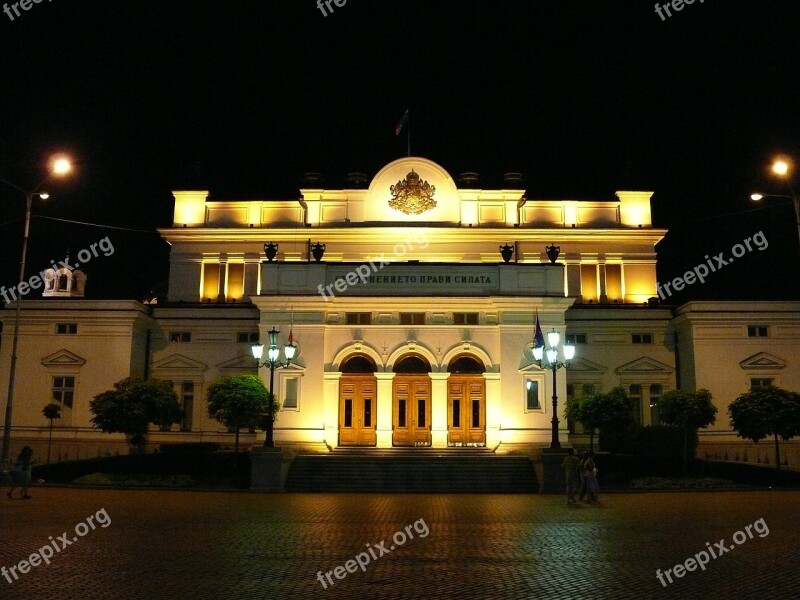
point(61, 165)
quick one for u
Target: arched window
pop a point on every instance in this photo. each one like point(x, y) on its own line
point(358, 363)
point(466, 365)
point(412, 364)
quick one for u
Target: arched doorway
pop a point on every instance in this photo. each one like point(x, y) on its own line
point(357, 402)
point(411, 393)
point(466, 402)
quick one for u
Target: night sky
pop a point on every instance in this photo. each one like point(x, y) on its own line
point(240, 97)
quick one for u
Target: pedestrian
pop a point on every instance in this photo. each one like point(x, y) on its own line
point(572, 470)
point(584, 458)
point(590, 473)
point(22, 473)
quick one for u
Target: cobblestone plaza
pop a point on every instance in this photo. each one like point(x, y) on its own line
point(176, 544)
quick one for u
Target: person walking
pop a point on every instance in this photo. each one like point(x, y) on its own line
point(572, 470)
point(22, 473)
point(584, 458)
point(590, 473)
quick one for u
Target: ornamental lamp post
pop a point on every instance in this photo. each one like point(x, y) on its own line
point(554, 364)
point(273, 362)
point(59, 165)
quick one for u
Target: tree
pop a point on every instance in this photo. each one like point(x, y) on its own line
point(604, 411)
point(239, 401)
point(689, 411)
point(133, 405)
point(766, 411)
point(51, 411)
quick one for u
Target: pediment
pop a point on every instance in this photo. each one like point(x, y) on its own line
point(644, 365)
point(63, 358)
point(239, 364)
point(762, 361)
point(178, 362)
point(581, 365)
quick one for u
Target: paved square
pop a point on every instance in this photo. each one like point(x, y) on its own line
point(173, 544)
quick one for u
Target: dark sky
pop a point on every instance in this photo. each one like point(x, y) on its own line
point(242, 97)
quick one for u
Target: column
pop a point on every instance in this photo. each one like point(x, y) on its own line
point(384, 409)
point(573, 276)
point(223, 277)
point(439, 409)
point(494, 412)
point(330, 409)
point(601, 272)
point(251, 262)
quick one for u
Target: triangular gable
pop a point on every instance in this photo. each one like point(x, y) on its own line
point(531, 368)
point(586, 367)
point(762, 361)
point(178, 362)
point(63, 358)
point(644, 365)
point(239, 364)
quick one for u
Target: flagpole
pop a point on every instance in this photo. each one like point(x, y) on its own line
point(408, 133)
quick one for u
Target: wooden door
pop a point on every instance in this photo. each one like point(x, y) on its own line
point(466, 410)
point(357, 404)
point(412, 410)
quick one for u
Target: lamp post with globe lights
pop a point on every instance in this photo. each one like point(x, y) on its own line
point(59, 166)
point(554, 364)
point(273, 362)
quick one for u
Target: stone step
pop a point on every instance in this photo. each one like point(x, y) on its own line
point(400, 472)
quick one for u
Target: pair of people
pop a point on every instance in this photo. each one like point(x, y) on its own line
point(22, 473)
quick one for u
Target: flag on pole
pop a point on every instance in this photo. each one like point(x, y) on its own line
point(403, 120)
point(538, 336)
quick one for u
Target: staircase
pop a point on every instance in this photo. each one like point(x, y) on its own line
point(420, 470)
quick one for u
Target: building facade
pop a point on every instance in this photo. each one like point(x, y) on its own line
point(412, 301)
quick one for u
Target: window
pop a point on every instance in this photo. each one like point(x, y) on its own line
point(635, 402)
point(63, 390)
point(587, 390)
point(655, 398)
point(291, 386)
point(63, 393)
point(358, 318)
point(642, 338)
point(180, 336)
point(576, 338)
point(66, 328)
point(532, 395)
point(412, 318)
point(187, 400)
point(246, 337)
point(465, 318)
point(761, 382)
point(757, 331)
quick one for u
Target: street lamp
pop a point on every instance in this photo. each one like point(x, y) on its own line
point(273, 362)
point(60, 166)
point(551, 352)
point(781, 168)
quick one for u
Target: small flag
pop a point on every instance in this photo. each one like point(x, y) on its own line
point(538, 336)
point(401, 124)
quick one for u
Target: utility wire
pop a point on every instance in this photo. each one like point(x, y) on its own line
point(96, 225)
